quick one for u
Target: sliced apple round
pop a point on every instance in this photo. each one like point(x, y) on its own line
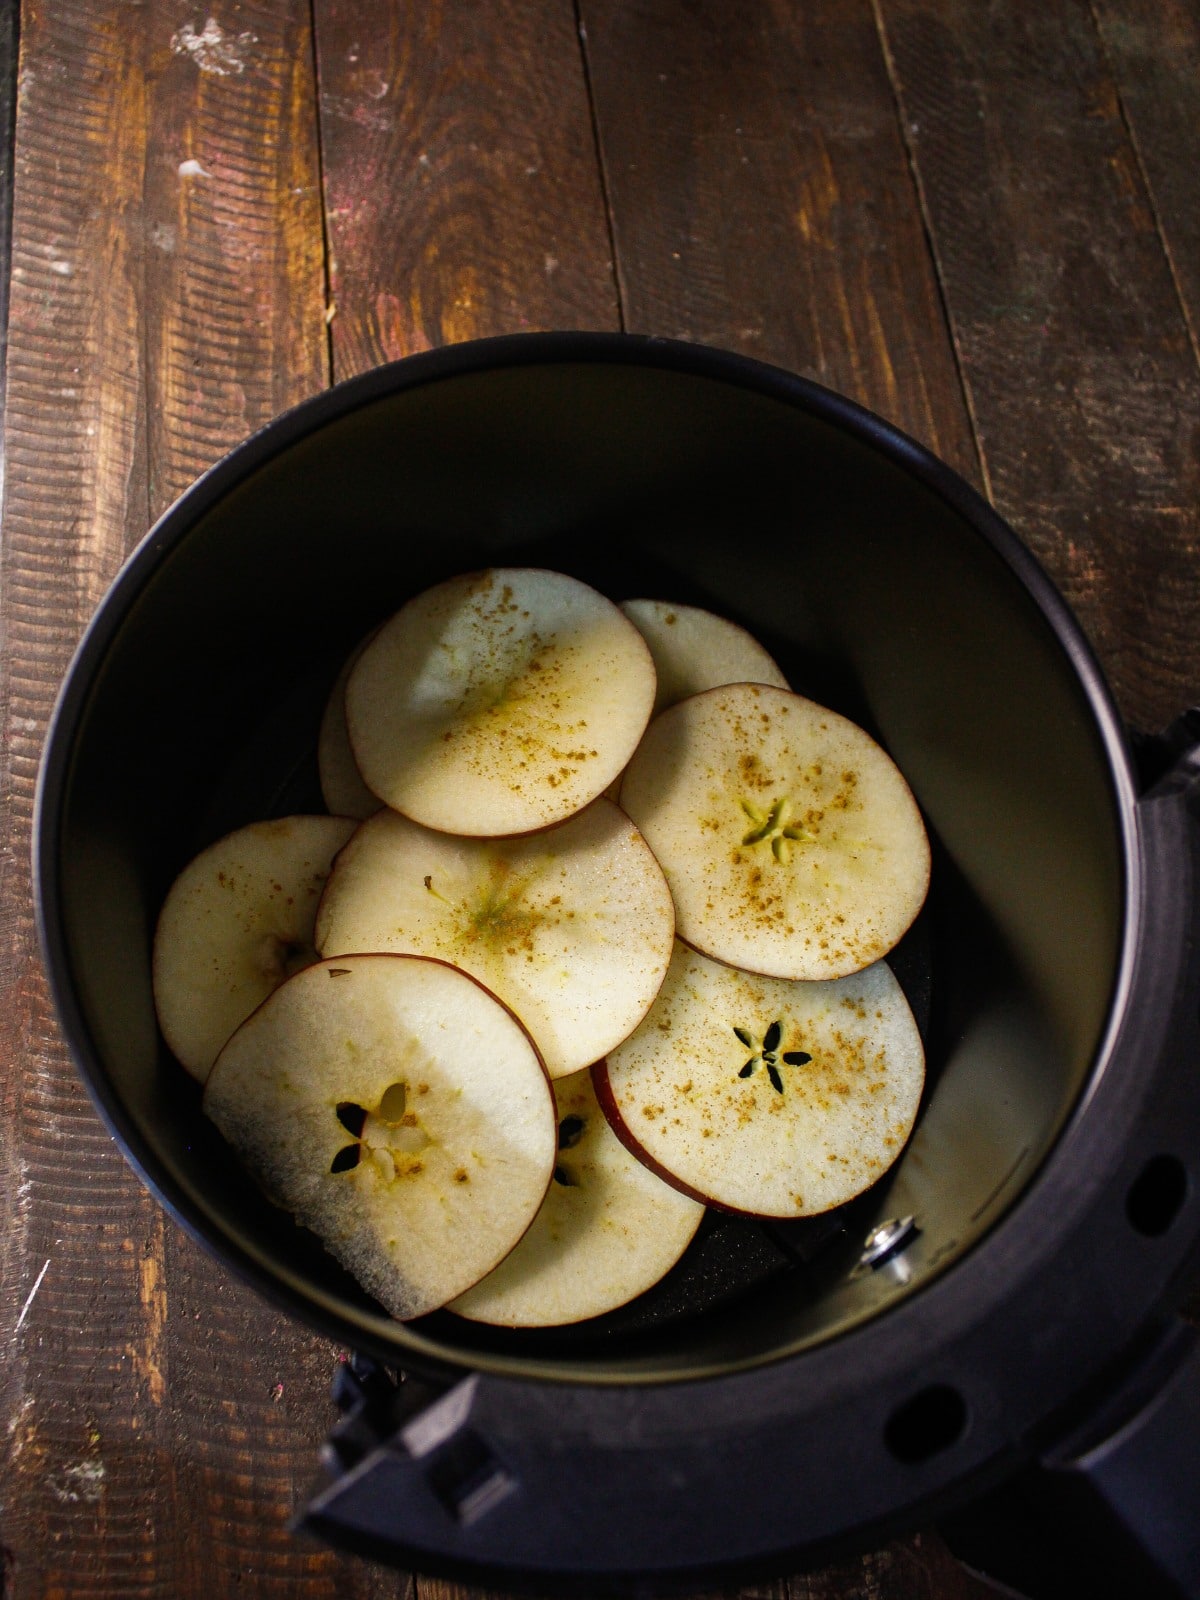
point(499, 702)
point(400, 1112)
point(766, 1095)
point(607, 1230)
point(236, 922)
point(695, 650)
point(790, 840)
point(572, 927)
point(342, 786)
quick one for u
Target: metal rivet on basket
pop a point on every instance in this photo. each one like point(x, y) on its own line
point(887, 1240)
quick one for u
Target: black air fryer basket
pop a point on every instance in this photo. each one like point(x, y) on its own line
point(1000, 1309)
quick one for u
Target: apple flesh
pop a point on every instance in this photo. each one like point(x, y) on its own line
point(766, 1095)
point(499, 702)
point(342, 786)
point(572, 927)
point(236, 923)
point(607, 1230)
point(400, 1112)
point(694, 650)
point(495, 924)
point(791, 842)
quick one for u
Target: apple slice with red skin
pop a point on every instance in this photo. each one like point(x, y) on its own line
point(400, 1112)
point(236, 922)
point(607, 1230)
point(764, 1095)
point(572, 926)
point(791, 842)
point(694, 650)
point(499, 702)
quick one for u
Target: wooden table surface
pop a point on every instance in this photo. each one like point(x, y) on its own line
point(980, 220)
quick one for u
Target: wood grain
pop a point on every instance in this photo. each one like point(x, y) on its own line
point(1154, 52)
point(978, 220)
point(463, 197)
point(762, 201)
point(235, 333)
point(234, 255)
point(9, 44)
point(167, 298)
point(75, 1412)
point(1083, 382)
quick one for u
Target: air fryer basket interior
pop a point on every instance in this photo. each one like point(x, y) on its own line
point(876, 593)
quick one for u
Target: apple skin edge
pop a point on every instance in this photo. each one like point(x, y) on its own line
point(380, 707)
point(607, 1102)
point(251, 887)
point(745, 966)
point(622, 1233)
point(214, 1085)
point(702, 744)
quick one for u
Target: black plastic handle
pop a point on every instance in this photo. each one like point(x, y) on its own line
point(1113, 1511)
point(486, 1477)
point(1113, 1508)
point(1138, 1462)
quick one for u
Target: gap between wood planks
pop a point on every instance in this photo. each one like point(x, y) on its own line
point(618, 290)
point(326, 246)
point(930, 245)
point(1152, 197)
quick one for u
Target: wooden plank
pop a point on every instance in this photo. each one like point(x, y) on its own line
point(462, 191)
point(1154, 51)
point(9, 39)
point(158, 1421)
point(444, 1589)
point(235, 332)
point(1084, 385)
point(762, 201)
point(234, 261)
point(76, 1500)
point(919, 1567)
point(463, 195)
point(167, 298)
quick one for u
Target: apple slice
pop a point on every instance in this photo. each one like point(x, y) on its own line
point(397, 1109)
point(571, 927)
point(342, 786)
point(607, 1230)
point(792, 844)
point(695, 650)
point(236, 922)
point(766, 1095)
point(499, 702)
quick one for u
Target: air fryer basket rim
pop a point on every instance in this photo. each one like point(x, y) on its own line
point(173, 527)
point(1027, 1253)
